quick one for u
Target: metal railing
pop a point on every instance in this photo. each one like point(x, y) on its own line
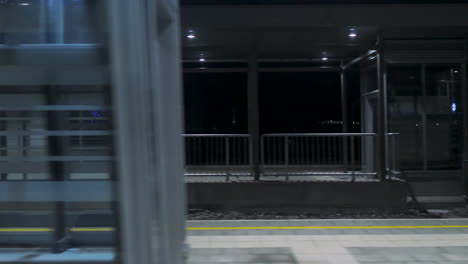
point(347, 154)
point(307, 154)
point(218, 155)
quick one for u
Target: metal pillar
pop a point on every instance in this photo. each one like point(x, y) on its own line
point(423, 116)
point(148, 125)
point(253, 114)
point(382, 112)
point(56, 147)
point(344, 101)
point(344, 115)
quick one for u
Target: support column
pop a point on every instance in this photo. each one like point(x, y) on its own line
point(253, 114)
point(465, 118)
point(57, 169)
point(382, 112)
point(344, 116)
point(344, 101)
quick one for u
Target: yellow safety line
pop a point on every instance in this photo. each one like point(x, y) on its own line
point(110, 229)
point(92, 229)
point(26, 229)
point(321, 227)
point(74, 229)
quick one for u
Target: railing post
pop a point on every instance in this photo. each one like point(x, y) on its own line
point(286, 156)
point(262, 157)
point(397, 150)
point(353, 175)
point(393, 151)
point(228, 169)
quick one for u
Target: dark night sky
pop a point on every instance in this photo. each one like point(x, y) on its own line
point(299, 101)
point(289, 102)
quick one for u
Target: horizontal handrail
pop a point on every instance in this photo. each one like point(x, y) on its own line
point(320, 134)
point(215, 135)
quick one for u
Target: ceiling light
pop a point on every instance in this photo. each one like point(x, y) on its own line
point(24, 4)
point(352, 33)
point(190, 34)
point(455, 71)
point(202, 57)
point(324, 56)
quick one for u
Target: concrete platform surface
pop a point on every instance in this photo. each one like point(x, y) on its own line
point(329, 241)
point(344, 241)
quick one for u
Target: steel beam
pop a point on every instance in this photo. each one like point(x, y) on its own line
point(358, 59)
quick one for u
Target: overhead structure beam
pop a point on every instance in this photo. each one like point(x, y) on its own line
point(358, 59)
point(390, 15)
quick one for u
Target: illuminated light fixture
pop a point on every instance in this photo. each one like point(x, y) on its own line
point(24, 4)
point(352, 33)
point(324, 56)
point(454, 107)
point(202, 57)
point(190, 34)
point(455, 71)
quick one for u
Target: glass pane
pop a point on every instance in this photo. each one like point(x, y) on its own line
point(368, 69)
point(444, 117)
point(55, 126)
point(205, 113)
point(300, 102)
point(405, 103)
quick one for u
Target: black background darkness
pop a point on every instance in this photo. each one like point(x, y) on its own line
point(289, 102)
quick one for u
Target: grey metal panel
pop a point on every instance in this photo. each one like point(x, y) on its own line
point(58, 133)
point(147, 103)
point(168, 122)
point(45, 191)
point(57, 158)
point(43, 167)
point(53, 54)
point(54, 108)
point(54, 75)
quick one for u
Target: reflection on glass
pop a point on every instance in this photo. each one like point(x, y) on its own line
point(429, 122)
point(55, 124)
point(444, 117)
point(404, 108)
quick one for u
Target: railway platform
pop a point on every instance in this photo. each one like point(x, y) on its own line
point(344, 241)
